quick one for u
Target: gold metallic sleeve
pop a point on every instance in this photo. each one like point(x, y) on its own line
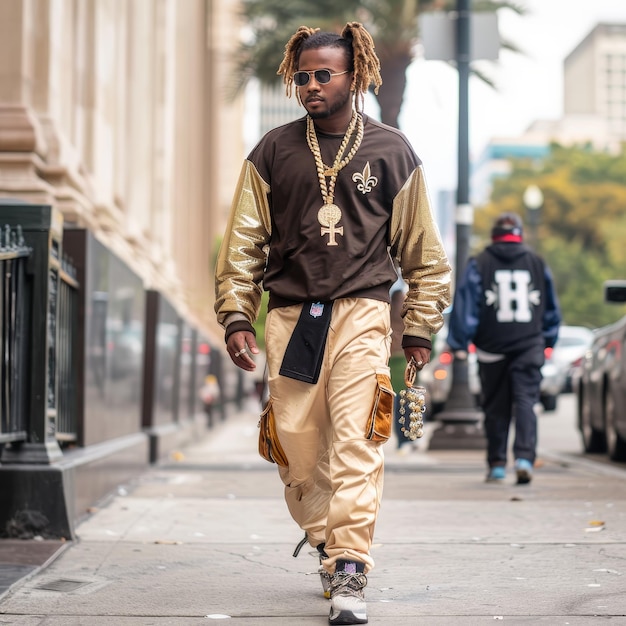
point(242, 256)
point(418, 249)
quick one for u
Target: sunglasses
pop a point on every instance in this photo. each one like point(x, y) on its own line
point(323, 77)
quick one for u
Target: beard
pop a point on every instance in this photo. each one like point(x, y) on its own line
point(339, 103)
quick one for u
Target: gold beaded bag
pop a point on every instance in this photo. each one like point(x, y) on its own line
point(412, 404)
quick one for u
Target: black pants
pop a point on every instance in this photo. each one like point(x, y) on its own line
point(510, 390)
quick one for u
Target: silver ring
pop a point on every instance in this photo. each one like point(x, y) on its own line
point(242, 351)
point(420, 363)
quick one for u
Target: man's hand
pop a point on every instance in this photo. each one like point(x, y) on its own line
point(241, 346)
point(421, 356)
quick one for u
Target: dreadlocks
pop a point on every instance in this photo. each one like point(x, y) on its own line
point(357, 44)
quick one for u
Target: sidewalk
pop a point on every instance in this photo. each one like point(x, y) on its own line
point(207, 536)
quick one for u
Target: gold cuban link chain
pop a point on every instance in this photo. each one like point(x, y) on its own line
point(330, 214)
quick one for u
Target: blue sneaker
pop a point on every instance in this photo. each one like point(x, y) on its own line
point(496, 474)
point(524, 471)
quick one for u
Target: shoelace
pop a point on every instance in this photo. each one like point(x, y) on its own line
point(353, 584)
point(300, 545)
point(303, 542)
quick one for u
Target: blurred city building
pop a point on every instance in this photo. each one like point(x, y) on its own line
point(595, 78)
point(594, 110)
point(276, 108)
point(115, 112)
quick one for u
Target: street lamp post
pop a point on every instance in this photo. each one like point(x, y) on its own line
point(460, 422)
point(533, 201)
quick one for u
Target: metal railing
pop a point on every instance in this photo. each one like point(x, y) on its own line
point(14, 336)
point(66, 354)
point(15, 321)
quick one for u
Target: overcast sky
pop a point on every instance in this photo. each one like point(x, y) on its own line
point(529, 85)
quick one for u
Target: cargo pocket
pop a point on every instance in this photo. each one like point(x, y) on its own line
point(380, 419)
point(269, 445)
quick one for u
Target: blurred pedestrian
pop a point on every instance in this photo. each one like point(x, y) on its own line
point(210, 396)
point(506, 304)
point(324, 207)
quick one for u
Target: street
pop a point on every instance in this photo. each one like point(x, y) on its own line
point(208, 536)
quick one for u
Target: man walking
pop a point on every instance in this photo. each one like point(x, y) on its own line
point(326, 206)
point(506, 304)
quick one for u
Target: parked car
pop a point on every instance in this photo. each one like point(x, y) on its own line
point(561, 363)
point(570, 348)
point(552, 381)
point(601, 385)
point(437, 375)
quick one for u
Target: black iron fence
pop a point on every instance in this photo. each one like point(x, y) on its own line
point(16, 318)
point(14, 305)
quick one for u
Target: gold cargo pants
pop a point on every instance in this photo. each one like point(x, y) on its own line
point(334, 481)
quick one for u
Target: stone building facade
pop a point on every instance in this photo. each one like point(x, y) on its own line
point(116, 127)
point(115, 111)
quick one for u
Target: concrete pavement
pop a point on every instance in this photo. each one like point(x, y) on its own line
point(207, 537)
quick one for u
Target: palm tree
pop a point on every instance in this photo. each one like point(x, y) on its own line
point(392, 23)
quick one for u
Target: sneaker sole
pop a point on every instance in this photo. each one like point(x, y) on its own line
point(523, 477)
point(345, 618)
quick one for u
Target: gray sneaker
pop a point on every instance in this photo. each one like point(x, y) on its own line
point(347, 597)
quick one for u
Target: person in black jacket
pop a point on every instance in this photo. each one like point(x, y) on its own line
point(506, 305)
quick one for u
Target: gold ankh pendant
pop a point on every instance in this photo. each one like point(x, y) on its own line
point(328, 216)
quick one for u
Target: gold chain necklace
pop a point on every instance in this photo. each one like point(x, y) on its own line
point(330, 214)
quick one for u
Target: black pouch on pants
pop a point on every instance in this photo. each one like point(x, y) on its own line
point(305, 350)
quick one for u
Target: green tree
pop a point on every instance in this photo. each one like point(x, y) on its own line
point(582, 224)
point(392, 23)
